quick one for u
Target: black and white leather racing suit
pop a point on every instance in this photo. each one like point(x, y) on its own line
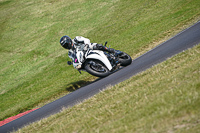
point(83, 44)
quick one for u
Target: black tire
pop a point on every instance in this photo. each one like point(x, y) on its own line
point(124, 59)
point(98, 70)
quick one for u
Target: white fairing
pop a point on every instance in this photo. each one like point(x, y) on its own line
point(99, 55)
point(80, 56)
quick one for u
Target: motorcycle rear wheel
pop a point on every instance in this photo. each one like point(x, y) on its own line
point(124, 59)
point(96, 68)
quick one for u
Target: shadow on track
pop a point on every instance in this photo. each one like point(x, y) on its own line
point(73, 86)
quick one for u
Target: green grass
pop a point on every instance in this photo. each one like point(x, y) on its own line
point(164, 98)
point(33, 65)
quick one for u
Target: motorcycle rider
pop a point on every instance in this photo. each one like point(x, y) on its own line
point(82, 44)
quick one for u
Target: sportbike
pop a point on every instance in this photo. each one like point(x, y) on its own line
point(100, 63)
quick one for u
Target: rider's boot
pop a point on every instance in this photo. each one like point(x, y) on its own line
point(111, 50)
point(103, 48)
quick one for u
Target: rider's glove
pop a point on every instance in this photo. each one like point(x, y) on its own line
point(100, 46)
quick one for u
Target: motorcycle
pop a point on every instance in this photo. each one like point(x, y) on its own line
point(99, 63)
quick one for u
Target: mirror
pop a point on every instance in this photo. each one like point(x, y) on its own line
point(106, 43)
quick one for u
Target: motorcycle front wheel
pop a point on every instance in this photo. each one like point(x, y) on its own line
point(96, 68)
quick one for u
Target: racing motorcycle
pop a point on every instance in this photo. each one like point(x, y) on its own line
point(100, 63)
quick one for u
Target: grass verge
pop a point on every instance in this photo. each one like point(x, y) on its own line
point(164, 98)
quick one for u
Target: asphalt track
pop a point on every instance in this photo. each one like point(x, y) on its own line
point(182, 41)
